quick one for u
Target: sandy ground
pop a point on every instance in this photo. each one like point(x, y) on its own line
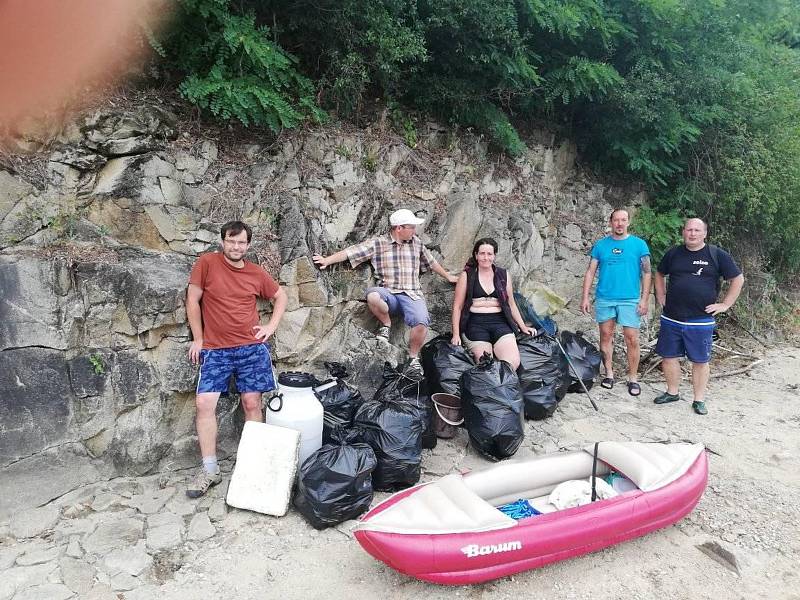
point(750, 508)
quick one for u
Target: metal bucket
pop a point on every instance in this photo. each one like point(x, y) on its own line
point(448, 415)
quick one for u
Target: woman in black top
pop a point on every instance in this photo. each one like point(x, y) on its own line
point(484, 311)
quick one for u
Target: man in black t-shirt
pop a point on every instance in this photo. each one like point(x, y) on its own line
point(690, 304)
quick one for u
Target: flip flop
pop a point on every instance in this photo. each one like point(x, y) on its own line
point(634, 389)
point(607, 383)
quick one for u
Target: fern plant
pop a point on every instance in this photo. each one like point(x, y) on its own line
point(233, 69)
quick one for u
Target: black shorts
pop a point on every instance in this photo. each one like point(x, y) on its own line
point(487, 327)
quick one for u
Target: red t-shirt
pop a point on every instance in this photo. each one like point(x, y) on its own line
point(229, 297)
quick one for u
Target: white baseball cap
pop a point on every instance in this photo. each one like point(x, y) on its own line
point(404, 217)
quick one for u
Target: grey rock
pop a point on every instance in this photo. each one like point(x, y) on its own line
point(164, 531)
point(181, 505)
point(38, 557)
point(151, 502)
point(200, 528)
point(8, 555)
point(32, 522)
point(217, 510)
point(115, 532)
point(77, 528)
point(48, 591)
point(74, 549)
point(20, 578)
point(12, 190)
point(124, 582)
point(131, 132)
point(133, 560)
point(77, 575)
point(102, 591)
point(105, 501)
point(146, 592)
point(42, 417)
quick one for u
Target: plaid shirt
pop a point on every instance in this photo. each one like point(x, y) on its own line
point(397, 264)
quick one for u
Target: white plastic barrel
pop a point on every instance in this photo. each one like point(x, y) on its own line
point(296, 407)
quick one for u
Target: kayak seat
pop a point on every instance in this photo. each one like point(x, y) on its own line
point(444, 506)
point(512, 480)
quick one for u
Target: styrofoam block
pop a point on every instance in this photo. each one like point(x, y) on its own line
point(266, 465)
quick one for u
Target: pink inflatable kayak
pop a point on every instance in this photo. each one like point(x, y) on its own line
point(449, 531)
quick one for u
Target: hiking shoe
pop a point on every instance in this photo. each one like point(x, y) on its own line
point(700, 408)
point(414, 369)
point(201, 482)
point(666, 397)
point(383, 332)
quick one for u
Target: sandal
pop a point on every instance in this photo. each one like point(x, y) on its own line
point(607, 383)
point(634, 389)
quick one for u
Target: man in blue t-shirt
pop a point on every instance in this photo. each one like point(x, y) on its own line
point(690, 304)
point(622, 294)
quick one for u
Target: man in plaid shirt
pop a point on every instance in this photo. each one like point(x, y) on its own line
point(397, 259)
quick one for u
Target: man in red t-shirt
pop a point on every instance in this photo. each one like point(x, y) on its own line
point(228, 338)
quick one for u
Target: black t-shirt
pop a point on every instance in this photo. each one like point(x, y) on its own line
point(693, 280)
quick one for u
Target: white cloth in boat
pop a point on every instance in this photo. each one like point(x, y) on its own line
point(577, 492)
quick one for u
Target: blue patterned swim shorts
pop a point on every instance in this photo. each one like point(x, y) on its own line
point(251, 365)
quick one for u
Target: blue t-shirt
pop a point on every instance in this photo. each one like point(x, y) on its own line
point(620, 267)
point(693, 279)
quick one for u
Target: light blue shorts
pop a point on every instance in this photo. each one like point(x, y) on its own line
point(415, 312)
point(622, 311)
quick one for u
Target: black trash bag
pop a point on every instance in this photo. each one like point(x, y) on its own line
point(339, 401)
point(416, 391)
point(444, 364)
point(543, 375)
point(392, 424)
point(335, 483)
point(585, 357)
point(493, 408)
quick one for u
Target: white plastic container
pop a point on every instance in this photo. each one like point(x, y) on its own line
point(295, 406)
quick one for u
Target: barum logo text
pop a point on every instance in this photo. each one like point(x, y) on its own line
point(473, 550)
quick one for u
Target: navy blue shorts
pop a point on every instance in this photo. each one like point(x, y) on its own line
point(251, 365)
point(691, 339)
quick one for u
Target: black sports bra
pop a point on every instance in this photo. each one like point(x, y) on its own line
point(479, 292)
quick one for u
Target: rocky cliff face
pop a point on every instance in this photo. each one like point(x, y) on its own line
point(98, 235)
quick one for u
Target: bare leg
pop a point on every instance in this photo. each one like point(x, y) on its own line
point(672, 373)
point(416, 338)
point(506, 349)
point(700, 375)
point(379, 308)
point(631, 335)
point(206, 421)
point(607, 345)
point(251, 404)
point(478, 348)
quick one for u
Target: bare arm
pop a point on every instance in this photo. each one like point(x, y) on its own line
point(660, 281)
point(458, 305)
point(439, 270)
point(279, 302)
point(588, 278)
point(734, 289)
point(195, 318)
point(647, 276)
point(515, 310)
point(325, 261)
